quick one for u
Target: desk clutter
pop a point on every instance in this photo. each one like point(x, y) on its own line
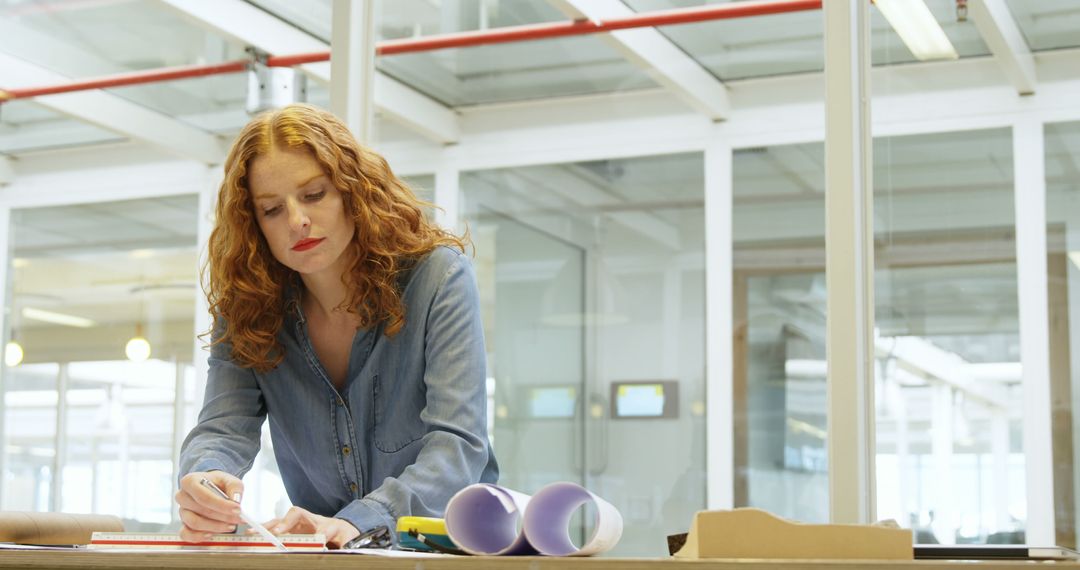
point(480, 519)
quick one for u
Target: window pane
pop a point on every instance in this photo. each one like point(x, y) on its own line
point(950, 458)
point(86, 281)
point(592, 287)
point(779, 314)
point(1063, 242)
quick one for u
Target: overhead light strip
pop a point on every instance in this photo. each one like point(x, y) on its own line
point(57, 318)
point(917, 28)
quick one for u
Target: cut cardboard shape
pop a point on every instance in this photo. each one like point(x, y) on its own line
point(754, 533)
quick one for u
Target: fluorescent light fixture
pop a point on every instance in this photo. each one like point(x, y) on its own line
point(1075, 257)
point(13, 354)
point(918, 28)
point(57, 318)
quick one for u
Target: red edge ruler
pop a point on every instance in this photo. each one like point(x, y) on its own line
point(165, 541)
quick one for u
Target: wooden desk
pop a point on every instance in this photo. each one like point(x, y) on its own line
point(271, 561)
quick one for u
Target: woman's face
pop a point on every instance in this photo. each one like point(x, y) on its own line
point(300, 212)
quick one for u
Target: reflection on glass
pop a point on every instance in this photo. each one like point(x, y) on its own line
point(87, 429)
point(1063, 265)
point(591, 277)
point(949, 448)
point(779, 324)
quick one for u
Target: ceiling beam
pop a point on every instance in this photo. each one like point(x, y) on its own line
point(114, 113)
point(661, 59)
point(1002, 35)
point(251, 26)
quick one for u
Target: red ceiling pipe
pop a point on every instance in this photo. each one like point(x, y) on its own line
point(571, 28)
point(444, 41)
point(126, 79)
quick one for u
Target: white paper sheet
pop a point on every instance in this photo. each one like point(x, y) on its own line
point(492, 520)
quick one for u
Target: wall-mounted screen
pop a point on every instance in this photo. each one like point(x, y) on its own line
point(645, 399)
point(552, 401)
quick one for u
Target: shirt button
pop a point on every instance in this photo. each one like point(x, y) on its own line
point(345, 450)
point(341, 402)
point(352, 487)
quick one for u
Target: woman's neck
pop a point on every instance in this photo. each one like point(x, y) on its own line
point(323, 293)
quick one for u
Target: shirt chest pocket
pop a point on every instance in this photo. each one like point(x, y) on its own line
point(397, 413)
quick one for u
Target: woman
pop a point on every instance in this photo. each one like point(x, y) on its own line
point(351, 322)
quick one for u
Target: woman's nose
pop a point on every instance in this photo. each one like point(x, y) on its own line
point(298, 218)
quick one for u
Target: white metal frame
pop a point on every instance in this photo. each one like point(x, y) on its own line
point(1029, 158)
point(719, 326)
point(248, 25)
point(849, 263)
point(661, 59)
point(643, 124)
point(352, 63)
point(5, 332)
point(1005, 40)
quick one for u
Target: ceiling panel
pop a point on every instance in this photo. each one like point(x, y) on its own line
point(28, 127)
point(792, 43)
point(1048, 24)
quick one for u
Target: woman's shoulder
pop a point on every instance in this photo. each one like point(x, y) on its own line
point(441, 259)
point(434, 266)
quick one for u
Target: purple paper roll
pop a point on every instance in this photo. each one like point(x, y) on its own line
point(547, 521)
point(486, 519)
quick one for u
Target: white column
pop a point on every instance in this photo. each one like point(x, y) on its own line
point(5, 333)
point(999, 478)
point(898, 404)
point(1030, 198)
point(448, 196)
point(941, 428)
point(719, 335)
point(177, 427)
point(207, 202)
point(56, 503)
point(352, 66)
point(849, 262)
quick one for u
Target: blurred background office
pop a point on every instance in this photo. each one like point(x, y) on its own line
point(648, 213)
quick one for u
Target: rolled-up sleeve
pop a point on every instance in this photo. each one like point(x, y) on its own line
point(455, 448)
point(227, 435)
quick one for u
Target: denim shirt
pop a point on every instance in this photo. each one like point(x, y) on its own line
point(407, 431)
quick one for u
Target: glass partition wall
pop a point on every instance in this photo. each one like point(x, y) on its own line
point(1063, 274)
point(98, 378)
point(591, 279)
point(950, 458)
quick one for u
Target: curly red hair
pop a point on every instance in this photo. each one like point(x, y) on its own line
point(245, 284)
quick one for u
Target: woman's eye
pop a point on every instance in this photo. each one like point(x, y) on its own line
point(316, 196)
point(271, 211)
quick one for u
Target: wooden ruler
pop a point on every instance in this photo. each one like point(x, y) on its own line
point(165, 541)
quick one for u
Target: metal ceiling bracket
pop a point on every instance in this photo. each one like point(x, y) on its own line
point(272, 87)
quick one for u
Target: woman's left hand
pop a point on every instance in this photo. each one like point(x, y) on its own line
point(302, 521)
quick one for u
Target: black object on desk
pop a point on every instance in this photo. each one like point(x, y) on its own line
point(993, 552)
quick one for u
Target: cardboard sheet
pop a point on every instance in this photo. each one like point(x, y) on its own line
point(754, 533)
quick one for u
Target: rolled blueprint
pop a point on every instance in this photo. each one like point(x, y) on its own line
point(54, 528)
point(493, 520)
point(487, 519)
point(547, 521)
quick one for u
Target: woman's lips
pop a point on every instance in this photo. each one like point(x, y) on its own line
point(306, 244)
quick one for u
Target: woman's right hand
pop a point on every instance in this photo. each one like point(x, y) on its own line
point(202, 511)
